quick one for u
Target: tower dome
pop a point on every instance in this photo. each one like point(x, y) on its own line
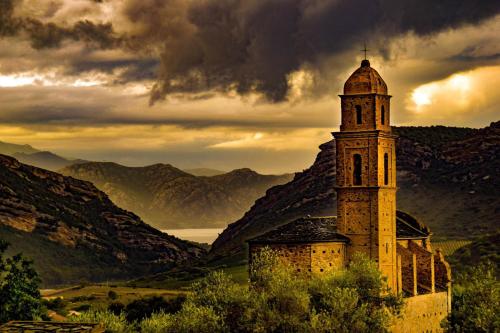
point(365, 80)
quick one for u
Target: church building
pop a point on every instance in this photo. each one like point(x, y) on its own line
point(367, 220)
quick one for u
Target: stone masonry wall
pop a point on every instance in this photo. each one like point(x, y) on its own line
point(423, 314)
point(297, 255)
point(327, 257)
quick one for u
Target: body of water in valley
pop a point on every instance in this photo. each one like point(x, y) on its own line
point(196, 235)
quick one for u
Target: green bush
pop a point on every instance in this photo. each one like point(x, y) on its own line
point(191, 318)
point(82, 307)
point(116, 308)
point(112, 295)
point(144, 307)
point(19, 294)
point(57, 304)
point(111, 322)
point(475, 301)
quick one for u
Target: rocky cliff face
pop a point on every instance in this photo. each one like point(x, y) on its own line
point(73, 231)
point(447, 177)
point(168, 197)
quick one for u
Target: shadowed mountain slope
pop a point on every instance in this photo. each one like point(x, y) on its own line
point(75, 233)
point(168, 197)
point(447, 178)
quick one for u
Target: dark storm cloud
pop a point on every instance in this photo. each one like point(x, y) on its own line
point(471, 55)
point(250, 45)
point(253, 45)
point(49, 35)
point(132, 69)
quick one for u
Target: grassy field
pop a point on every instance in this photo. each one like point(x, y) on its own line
point(450, 246)
point(183, 280)
point(96, 296)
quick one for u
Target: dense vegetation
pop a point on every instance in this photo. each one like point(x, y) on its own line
point(277, 300)
point(476, 301)
point(19, 294)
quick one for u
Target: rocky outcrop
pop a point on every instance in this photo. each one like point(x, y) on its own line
point(79, 222)
point(447, 177)
point(168, 197)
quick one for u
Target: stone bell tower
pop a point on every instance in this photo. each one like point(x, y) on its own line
point(366, 171)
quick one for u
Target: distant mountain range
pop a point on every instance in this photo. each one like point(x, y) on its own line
point(449, 178)
point(42, 159)
point(75, 233)
point(206, 172)
point(167, 197)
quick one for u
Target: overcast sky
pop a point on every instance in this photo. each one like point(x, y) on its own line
point(227, 83)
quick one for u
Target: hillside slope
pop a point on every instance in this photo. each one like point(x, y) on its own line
point(205, 172)
point(74, 232)
point(167, 197)
point(42, 159)
point(12, 148)
point(486, 248)
point(448, 178)
point(45, 160)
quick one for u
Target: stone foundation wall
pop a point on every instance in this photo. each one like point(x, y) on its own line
point(423, 314)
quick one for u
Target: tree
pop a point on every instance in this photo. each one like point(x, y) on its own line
point(18, 288)
point(475, 301)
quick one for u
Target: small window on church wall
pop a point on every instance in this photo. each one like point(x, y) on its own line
point(359, 115)
point(383, 115)
point(386, 169)
point(356, 177)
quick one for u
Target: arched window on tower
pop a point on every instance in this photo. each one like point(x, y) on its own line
point(359, 115)
point(356, 175)
point(383, 115)
point(386, 169)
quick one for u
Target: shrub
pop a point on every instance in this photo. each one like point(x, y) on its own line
point(116, 308)
point(112, 295)
point(57, 304)
point(145, 307)
point(82, 307)
point(112, 323)
point(191, 318)
point(475, 301)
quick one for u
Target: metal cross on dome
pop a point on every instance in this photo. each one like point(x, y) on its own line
point(365, 50)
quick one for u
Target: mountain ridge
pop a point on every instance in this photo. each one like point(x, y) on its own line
point(168, 197)
point(71, 221)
